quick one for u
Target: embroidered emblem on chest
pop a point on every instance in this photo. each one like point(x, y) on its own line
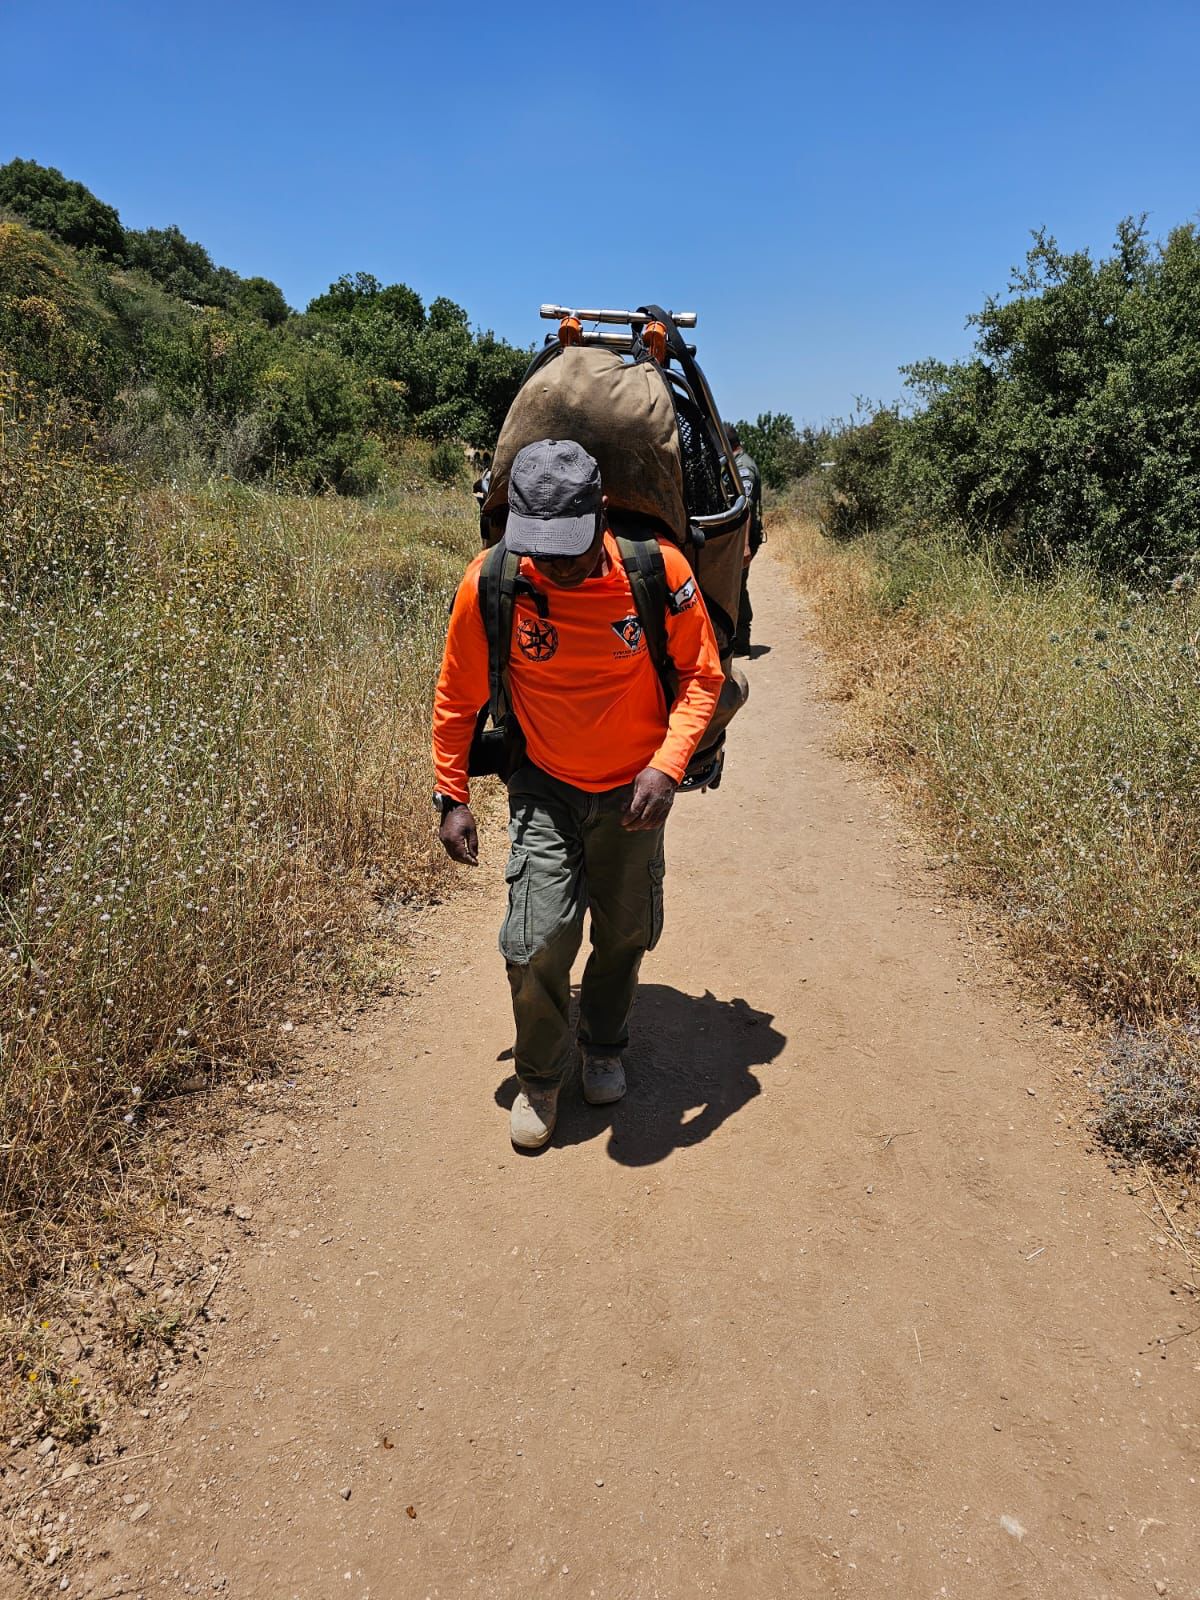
point(629, 631)
point(536, 640)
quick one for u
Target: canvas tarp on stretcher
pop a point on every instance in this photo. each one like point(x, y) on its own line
point(624, 414)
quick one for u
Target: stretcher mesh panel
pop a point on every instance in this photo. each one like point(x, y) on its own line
point(701, 466)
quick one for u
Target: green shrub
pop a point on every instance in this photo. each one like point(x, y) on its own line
point(455, 384)
point(863, 494)
point(212, 363)
point(261, 299)
point(267, 406)
point(446, 463)
point(314, 412)
point(54, 330)
point(1074, 432)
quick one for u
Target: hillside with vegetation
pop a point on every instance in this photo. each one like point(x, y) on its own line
point(189, 367)
point(1006, 569)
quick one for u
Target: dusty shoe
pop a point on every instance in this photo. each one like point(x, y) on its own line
point(534, 1113)
point(603, 1079)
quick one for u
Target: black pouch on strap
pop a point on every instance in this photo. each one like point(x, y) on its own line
point(496, 752)
point(498, 745)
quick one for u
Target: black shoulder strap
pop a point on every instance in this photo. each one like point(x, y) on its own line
point(647, 574)
point(497, 591)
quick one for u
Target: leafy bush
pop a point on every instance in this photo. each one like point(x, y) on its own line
point(183, 267)
point(53, 328)
point(864, 496)
point(446, 463)
point(354, 293)
point(212, 364)
point(261, 299)
point(1074, 432)
point(299, 412)
point(315, 415)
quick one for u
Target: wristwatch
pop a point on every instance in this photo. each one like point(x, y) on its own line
point(444, 802)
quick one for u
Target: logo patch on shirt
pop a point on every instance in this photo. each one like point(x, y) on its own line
point(537, 640)
point(683, 598)
point(629, 631)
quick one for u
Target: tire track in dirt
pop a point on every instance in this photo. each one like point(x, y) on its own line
point(830, 1305)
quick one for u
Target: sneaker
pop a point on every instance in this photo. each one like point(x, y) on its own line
point(534, 1113)
point(603, 1079)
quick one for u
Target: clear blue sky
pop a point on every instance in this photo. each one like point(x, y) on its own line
point(834, 188)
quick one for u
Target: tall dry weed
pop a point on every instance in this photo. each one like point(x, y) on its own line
point(213, 764)
point(1053, 729)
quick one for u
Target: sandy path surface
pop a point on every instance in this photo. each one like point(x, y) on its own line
point(832, 1304)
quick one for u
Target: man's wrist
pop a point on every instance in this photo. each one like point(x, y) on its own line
point(445, 803)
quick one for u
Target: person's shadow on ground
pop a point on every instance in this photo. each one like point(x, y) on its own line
point(688, 1069)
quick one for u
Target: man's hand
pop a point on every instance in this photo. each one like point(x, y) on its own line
point(459, 835)
point(651, 801)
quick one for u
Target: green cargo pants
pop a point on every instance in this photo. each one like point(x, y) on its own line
point(569, 855)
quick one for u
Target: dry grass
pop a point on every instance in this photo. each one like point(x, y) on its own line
point(213, 769)
point(1052, 733)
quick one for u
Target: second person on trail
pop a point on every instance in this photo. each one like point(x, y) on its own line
point(604, 754)
point(752, 485)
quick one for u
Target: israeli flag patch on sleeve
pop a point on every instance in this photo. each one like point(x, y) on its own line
point(683, 598)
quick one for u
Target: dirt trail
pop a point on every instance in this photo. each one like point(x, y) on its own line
point(833, 1304)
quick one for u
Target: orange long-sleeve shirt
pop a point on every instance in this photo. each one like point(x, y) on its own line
point(583, 685)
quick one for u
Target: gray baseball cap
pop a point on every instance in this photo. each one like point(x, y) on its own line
point(553, 499)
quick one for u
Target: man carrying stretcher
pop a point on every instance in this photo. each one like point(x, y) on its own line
point(604, 755)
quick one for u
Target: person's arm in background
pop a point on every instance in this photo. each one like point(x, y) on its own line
point(752, 485)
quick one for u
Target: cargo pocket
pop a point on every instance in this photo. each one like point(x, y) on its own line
point(514, 931)
point(658, 871)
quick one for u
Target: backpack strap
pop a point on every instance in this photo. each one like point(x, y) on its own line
point(498, 579)
point(647, 574)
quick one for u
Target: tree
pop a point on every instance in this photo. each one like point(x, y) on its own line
point(781, 452)
point(179, 264)
point(260, 298)
point(446, 317)
point(45, 199)
point(454, 384)
point(355, 293)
